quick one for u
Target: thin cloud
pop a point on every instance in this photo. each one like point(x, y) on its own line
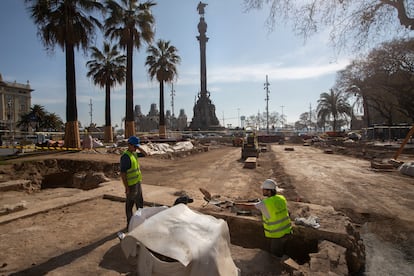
point(254, 73)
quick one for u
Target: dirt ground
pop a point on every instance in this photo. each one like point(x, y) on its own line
point(81, 238)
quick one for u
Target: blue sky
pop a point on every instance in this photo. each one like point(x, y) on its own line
point(240, 53)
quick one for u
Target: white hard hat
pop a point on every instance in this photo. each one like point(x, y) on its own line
point(269, 184)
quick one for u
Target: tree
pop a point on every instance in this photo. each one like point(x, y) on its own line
point(69, 24)
point(41, 118)
point(392, 71)
point(161, 61)
point(383, 82)
point(348, 21)
point(131, 23)
point(36, 114)
point(307, 120)
point(333, 105)
point(107, 68)
point(52, 122)
point(351, 81)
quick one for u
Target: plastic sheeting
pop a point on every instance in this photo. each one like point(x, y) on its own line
point(199, 243)
point(407, 168)
point(161, 148)
point(142, 214)
point(310, 221)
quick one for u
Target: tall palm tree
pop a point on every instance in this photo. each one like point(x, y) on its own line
point(132, 23)
point(69, 24)
point(161, 61)
point(107, 68)
point(333, 104)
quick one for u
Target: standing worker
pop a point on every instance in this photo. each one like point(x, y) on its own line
point(275, 216)
point(131, 177)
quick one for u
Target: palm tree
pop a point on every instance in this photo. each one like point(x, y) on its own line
point(131, 23)
point(52, 122)
point(69, 24)
point(161, 61)
point(107, 68)
point(41, 118)
point(333, 104)
point(36, 114)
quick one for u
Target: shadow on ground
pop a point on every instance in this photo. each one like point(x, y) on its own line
point(69, 257)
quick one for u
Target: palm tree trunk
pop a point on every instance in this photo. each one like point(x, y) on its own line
point(71, 134)
point(108, 128)
point(334, 123)
point(162, 128)
point(72, 138)
point(129, 101)
point(108, 134)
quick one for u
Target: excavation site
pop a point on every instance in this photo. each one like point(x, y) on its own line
point(348, 218)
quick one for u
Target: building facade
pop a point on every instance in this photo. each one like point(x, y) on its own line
point(15, 100)
point(150, 122)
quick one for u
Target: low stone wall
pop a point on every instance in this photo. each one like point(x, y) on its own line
point(335, 245)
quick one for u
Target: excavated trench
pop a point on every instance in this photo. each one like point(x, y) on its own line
point(57, 180)
point(65, 173)
point(58, 173)
point(88, 175)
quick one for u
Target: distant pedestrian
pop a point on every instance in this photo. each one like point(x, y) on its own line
point(131, 177)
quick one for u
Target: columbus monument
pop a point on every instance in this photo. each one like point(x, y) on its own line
point(204, 110)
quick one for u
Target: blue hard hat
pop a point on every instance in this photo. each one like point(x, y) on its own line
point(133, 140)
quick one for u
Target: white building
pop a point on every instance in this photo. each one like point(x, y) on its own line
point(15, 100)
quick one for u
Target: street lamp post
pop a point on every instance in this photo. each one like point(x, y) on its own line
point(33, 123)
point(9, 103)
point(238, 117)
point(266, 87)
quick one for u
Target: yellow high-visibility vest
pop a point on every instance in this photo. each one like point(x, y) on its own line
point(133, 173)
point(279, 223)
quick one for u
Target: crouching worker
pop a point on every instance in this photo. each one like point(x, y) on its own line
point(275, 216)
point(276, 222)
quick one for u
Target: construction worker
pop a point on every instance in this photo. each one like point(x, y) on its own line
point(276, 221)
point(131, 177)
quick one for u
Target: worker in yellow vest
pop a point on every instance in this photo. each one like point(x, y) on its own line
point(276, 221)
point(131, 177)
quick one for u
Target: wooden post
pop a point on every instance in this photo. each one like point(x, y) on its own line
point(410, 133)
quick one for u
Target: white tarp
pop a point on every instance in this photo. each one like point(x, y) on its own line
point(407, 168)
point(161, 148)
point(183, 146)
point(200, 244)
point(142, 214)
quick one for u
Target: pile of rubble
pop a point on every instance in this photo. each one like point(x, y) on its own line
point(168, 150)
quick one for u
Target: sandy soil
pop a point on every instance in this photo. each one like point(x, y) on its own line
point(81, 239)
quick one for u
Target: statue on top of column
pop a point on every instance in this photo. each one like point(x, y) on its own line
point(201, 7)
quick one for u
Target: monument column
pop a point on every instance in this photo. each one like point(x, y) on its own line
point(204, 111)
point(202, 38)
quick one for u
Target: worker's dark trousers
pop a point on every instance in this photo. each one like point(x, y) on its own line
point(133, 197)
point(277, 245)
